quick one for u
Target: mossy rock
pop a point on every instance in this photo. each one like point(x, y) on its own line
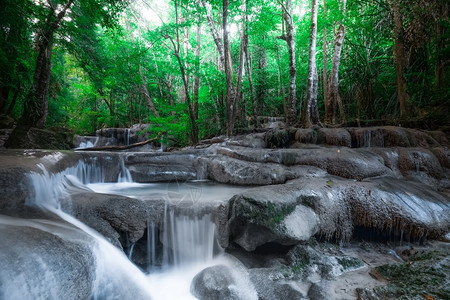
point(426, 275)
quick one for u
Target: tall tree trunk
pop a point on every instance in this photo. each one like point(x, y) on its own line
point(289, 37)
point(440, 46)
point(226, 62)
point(36, 105)
point(238, 93)
point(147, 95)
point(4, 95)
point(197, 70)
point(215, 34)
point(176, 53)
point(334, 80)
point(248, 67)
point(169, 84)
point(399, 55)
point(230, 97)
point(14, 99)
point(194, 135)
point(261, 81)
point(215, 103)
point(324, 70)
point(282, 90)
point(310, 109)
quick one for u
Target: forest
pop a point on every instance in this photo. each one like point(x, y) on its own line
point(201, 68)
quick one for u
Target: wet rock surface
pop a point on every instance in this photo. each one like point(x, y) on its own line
point(36, 260)
point(356, 137)
point(391, 186)
point(268, 287)
point(215, 282)
point(334, 209)
point(122, 136)
point(37, 138)
point(122, 220)
point(264, 215)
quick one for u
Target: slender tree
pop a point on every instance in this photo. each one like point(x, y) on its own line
point(176, 46)
point(310, 108)
point(334, 99)
point(399, 55)
point(325, 61)
point(289, 37)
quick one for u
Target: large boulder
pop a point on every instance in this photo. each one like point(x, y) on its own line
point(35, 138)
point(45, 260)
point(233, 171)
point(216, 283)
point(270, 214)
point(120, 219)
point(333, 208)
point(229, 280)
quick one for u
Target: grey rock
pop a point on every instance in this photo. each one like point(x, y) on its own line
point(37, 138)
point(114, 215)
point(215, 283)
point(332, 208)
point(37, 264)
point(334, 137)
point(343, 162)
point(122, 136)
point(254, 140)
point(320, 291)
point(266, 214)
point(233, 171)
point(268, 288)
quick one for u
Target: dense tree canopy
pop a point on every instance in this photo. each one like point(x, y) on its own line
point(198, 68)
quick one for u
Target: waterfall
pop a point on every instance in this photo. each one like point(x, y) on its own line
point(85, 142)
point(184, 244)
point(187, 239)
point(151, 245)
point(51, 189)
point(116, 277)
point(366, 138)
point(124, 175)
point(127, 136)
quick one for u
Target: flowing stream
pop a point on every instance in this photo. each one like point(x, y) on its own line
point(188, 238)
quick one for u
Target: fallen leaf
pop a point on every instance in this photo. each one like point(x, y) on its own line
point(428, 297)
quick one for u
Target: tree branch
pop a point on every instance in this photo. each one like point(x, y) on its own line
point(284, 8)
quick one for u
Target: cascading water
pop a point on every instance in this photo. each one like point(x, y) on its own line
point(85, 142)
point(127, 137)
point(115, 277)
point(124, 175)
point(189, 239)
point(176, 250)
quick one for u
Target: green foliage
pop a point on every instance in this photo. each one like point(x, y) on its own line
point(107, 51)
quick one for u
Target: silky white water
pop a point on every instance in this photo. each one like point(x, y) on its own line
point(116, 277)
point(188, 238)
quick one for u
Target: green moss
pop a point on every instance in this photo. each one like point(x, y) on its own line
point(270, 215)
point(425, 274)
point(348, 262)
